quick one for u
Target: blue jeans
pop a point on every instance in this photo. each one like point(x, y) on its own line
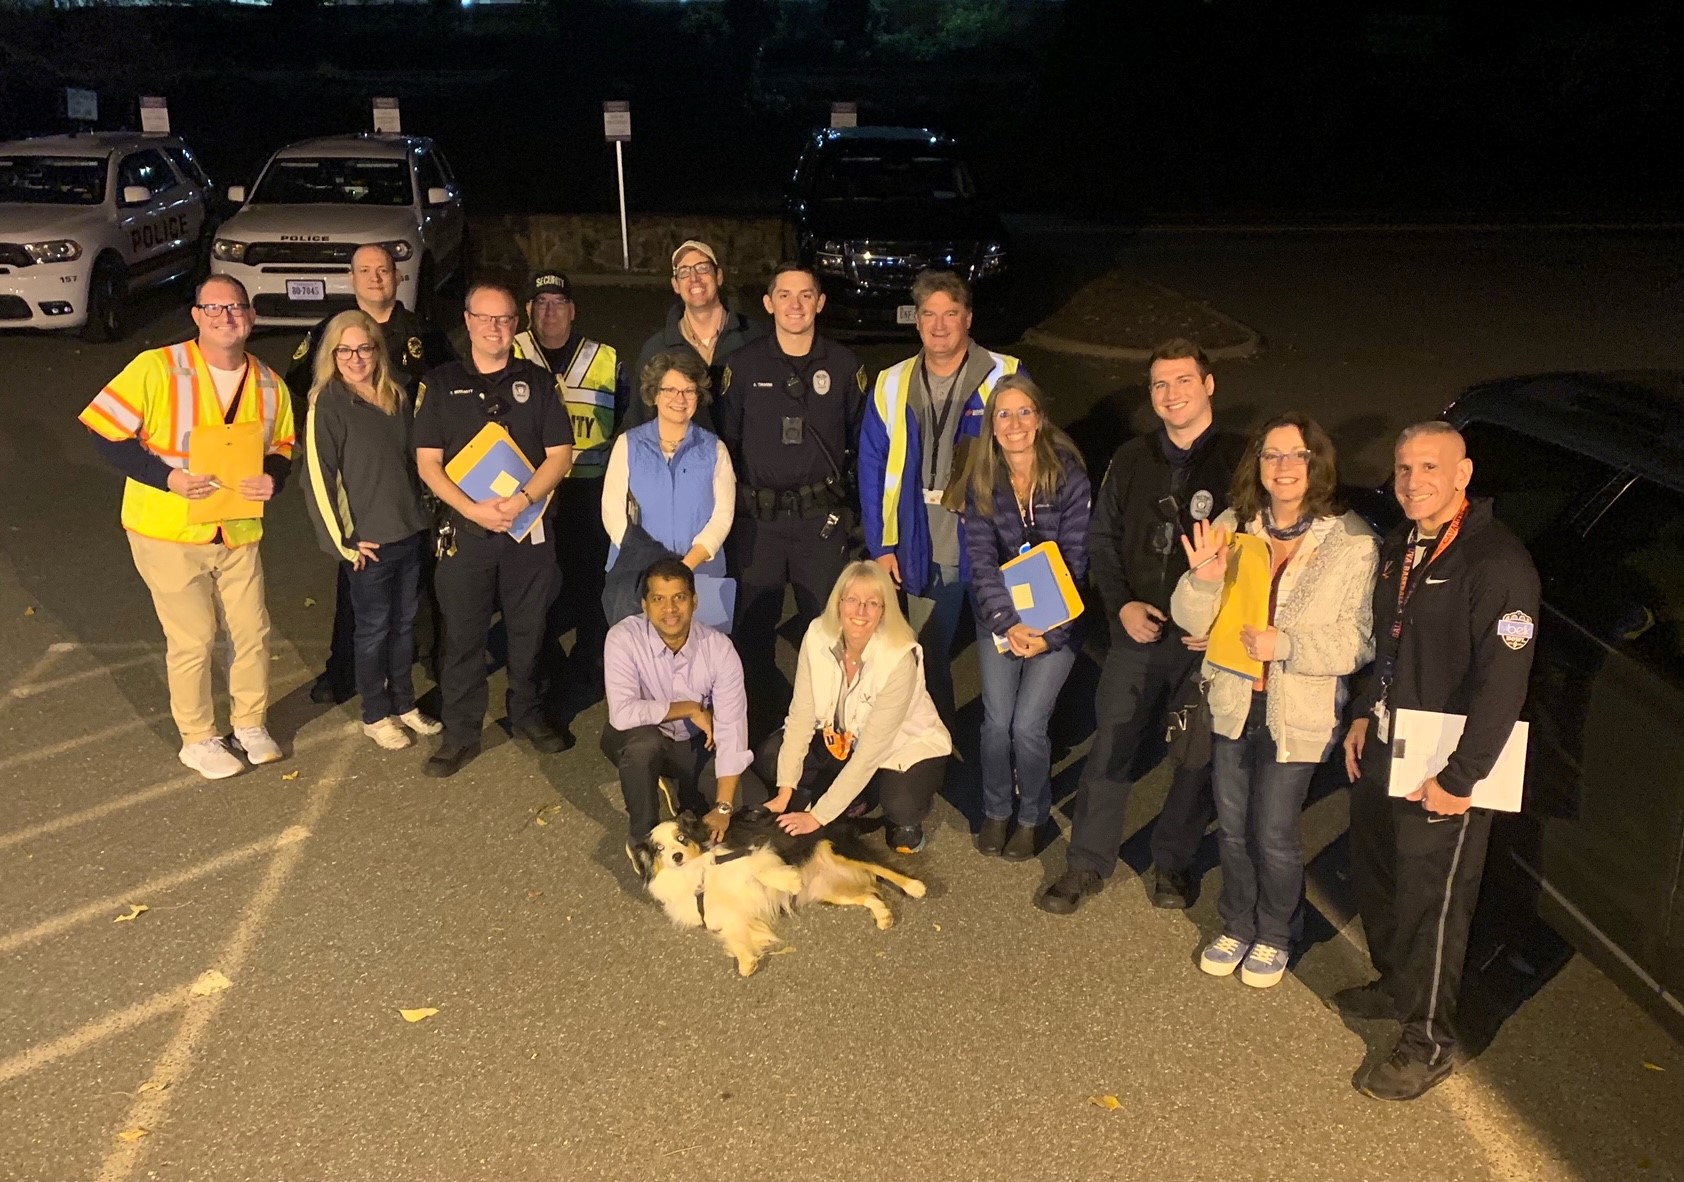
point(935, 618)
point(1018, 697)
point(1259, 803)
point(384, 597)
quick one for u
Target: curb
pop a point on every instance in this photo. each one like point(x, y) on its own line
point(1249, 347)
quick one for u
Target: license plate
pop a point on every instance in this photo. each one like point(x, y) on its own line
point(906, 314)
point(306, 289)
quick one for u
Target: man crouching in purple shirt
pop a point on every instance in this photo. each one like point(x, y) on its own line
point(676, 708)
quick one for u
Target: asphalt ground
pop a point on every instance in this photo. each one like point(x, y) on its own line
point(577, 1034)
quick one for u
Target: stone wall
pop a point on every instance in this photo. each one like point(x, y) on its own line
point(518, 245)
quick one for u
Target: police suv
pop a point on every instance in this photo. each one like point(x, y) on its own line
point(318, 200)
point(88, 219)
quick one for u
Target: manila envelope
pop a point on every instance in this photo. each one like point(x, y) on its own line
point(1245, 600)
point(231, 452)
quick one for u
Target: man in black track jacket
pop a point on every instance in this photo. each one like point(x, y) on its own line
point(1154, 489)
point(1455, 616)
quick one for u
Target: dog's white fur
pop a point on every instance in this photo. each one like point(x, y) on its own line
point(742, 896)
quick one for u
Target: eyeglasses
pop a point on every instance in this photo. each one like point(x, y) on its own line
point(550, 301)
point(1296, 458)
point(853, 603)
point(486, 319)
point(1022, 414)
point(689, 269)
point(218, 311)
point(683, 392)
point(346, 352)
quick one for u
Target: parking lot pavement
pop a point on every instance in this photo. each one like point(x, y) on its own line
point(245, 1025)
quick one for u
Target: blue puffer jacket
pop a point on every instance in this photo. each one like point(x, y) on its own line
point(993, 538)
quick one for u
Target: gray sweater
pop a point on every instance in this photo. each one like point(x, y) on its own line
point(360, 478)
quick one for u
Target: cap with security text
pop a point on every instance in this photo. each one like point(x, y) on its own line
point(549, 282)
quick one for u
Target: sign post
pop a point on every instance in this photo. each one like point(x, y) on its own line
point(81, 105)
point(844, 114)
point(154, 115)
point(616, 128)
point(387, 120)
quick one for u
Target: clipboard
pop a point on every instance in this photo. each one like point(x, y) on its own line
point(1245, 600)
point(1423, 742)
point(231, 452)
point(492, 466)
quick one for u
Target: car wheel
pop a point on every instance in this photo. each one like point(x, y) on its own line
point(106, 289)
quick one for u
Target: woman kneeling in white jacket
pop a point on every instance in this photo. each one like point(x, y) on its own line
point(1269, 733)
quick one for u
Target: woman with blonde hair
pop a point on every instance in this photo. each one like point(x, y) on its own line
point(365, 499)
point(1023, 485)
point(860, 720)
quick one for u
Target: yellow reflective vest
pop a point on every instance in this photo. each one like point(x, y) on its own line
point(158, 399)
point(588, 390)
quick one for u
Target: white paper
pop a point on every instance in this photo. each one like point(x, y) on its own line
point(1423, 742)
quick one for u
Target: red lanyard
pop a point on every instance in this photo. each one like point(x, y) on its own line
point(1409, 561)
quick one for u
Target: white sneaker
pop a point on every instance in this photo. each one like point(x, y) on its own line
point(211, 759)
point(388, 733)
point(256, 743)
point(420, 723)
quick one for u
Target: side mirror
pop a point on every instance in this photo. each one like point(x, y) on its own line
point(438, 196)
point(237, 194)
point(136, 194)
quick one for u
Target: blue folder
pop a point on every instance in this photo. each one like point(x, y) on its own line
point(492, 466)
point(716, 600)
point(1041, 588)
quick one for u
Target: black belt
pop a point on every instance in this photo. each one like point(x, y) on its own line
point(810, 500)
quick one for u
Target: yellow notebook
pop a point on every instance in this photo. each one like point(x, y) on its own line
point(1245, 600)
point(231, 452)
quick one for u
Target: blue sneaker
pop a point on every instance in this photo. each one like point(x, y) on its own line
point(1264, 966)
point(1222, 956)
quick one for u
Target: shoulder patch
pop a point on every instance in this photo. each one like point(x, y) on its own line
point(303, 349)
point(859, 379)
point(1516, 630)
point(414, 347)
point(725, 380)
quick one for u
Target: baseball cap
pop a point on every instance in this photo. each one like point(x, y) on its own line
point(690, 244)
point(552, 282)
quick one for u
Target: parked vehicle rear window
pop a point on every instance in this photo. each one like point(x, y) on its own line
point(335, 180)
point(52, 180)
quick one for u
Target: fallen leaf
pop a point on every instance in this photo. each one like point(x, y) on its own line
point(1109, 1103)
point(1646, 1063)
point(135, 910)
point(133, 1134)
point(784, 951)
point(543, 814)
point(293, 775)
point(211, 982)
point(308, 602)
point(534, 894)
point(152, 1085)
point(28, 611)
point(418, 1015)
point(937, 926)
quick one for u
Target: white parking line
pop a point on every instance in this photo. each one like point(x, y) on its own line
point(112, 904)
point(32, 688)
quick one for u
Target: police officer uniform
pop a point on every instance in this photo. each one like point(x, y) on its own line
point(792, 427)
point(487, 572)
point(412, 348)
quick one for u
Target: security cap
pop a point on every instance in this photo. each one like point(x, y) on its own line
point(552, 282)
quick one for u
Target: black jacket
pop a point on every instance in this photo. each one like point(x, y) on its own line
point(412, 348)
point(756, 395)
point(739, 330)
point(1467, 642)
point(1132, 552)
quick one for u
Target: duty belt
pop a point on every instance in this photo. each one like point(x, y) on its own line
point(810, 500)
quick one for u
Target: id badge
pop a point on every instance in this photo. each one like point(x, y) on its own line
point(1382, 722)
point(792, 430)
point(932, 496)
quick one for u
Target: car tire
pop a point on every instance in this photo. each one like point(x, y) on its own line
point(107, 287)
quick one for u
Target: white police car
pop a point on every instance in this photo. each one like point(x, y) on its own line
point(88, 219)
point(318, 200)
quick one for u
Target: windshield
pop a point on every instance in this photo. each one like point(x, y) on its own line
point(335, 180)
point(894, 178)
point(51, 180)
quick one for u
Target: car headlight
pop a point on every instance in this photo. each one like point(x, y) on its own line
point(228, 250)
point(832, 258)
point(401, 250)
point(992, 260)
point(59, 250)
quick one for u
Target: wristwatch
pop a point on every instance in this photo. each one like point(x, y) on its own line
point(724, 806)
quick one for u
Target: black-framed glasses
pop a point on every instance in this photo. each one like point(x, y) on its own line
point(218, 311)
point(684, 392)
point(488, 319)
point(346, 352)
point(689, 269)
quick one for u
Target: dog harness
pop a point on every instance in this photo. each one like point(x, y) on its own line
point(701, 908)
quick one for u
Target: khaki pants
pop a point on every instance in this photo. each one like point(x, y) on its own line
point(196, 589)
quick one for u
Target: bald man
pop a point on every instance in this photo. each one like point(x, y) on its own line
point(1455, 619)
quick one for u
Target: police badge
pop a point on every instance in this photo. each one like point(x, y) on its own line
point(1200, 506)
point(821, 382)
point(303, 348)
point(521, 391)
point(414, 347)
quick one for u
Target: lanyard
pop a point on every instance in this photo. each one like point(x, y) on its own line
point(1403, 593)
point(239, 392)
point(939, 426)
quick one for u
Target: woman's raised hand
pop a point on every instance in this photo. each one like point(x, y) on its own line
point(1207, 552)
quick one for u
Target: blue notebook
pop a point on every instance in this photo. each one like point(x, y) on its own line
point(1041, 588)
point(492, 466)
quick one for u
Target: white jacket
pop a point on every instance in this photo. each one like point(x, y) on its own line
point(889, 713)
point(1324, 612)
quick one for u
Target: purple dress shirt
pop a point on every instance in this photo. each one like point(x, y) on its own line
point(643, 678)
